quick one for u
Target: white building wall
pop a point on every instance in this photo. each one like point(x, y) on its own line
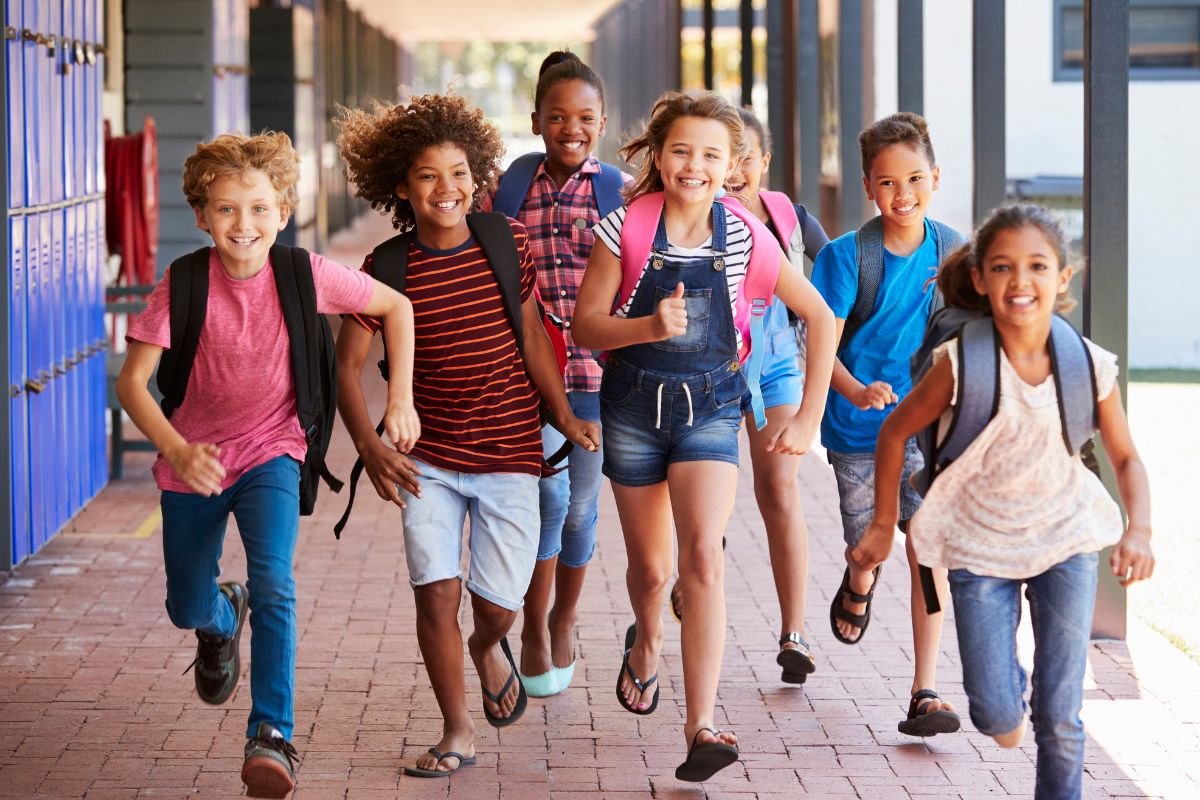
point(1044, 136)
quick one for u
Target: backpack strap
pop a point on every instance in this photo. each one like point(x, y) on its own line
point(868, 243)
point(494, 235)
point(188, 309)
point(978, 393)
point(947, 241)
point(637, 237)
point(1075, 380)
point(298, 299)
point(515, 182)
point(783, 216)
point(607, 185)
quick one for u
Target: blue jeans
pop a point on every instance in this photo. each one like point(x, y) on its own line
point(569, 499)
point(266, 504)
point(986, 612)
point(855, 473)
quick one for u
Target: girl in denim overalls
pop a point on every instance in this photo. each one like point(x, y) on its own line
point(670, 399)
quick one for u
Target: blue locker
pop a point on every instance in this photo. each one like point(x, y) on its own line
point(73, 428)
point(80, 71)
point(81, 316)
point(15, 62)
point(18, 407)
point(30, 73)
point(38, 378)
point(54, 55)
point(98, 387)
point(94, 132)
point(65, 79)
point(56, 506)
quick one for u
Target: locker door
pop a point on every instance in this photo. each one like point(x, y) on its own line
point(18, 404)
point(95, 121)
point(73, 421)
point(30, 77)
point(15, 61)
point(82, 368)
point(65, 79)
point(80, 71)
point(56, 501)
point(54, 84)
point(98, 387)
point(37, 377)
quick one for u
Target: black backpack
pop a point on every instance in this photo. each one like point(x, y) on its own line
point(493, 232)
point(314, 365)
point(977, 396)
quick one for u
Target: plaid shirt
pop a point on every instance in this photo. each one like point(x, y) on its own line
point(560, 239)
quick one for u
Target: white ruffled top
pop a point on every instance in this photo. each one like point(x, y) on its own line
point(1016, 503)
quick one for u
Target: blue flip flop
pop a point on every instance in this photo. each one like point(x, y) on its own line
point(543, 685)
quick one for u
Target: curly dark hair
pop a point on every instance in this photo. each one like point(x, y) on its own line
point(379, 146)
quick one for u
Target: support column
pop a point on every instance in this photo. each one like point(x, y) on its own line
point(911, 55)
point(708, 19)
point(987, 106)
point(852, 203)
point(808, 105)
point(1106, 231)
point(781, 89)
point(746, 21)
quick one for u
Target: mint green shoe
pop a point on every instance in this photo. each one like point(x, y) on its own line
point(564, 676)
point(544, 685)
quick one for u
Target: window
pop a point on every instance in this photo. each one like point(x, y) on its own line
point(1164, 40)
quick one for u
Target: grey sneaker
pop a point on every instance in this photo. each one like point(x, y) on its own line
point(217, 663)
point(270, 766)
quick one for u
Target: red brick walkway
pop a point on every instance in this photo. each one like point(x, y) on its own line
point(93, 703)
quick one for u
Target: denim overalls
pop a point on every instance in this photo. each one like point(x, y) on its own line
point(677, 399)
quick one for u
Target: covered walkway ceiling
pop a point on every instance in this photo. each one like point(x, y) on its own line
point(550, 21)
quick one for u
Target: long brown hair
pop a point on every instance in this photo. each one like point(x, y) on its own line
point(667, 109)
point(954, 276)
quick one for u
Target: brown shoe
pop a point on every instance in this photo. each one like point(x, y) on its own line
point(269, 768)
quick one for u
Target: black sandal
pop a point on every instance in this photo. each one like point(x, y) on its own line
point(797, 663)
point(705, 760)
point(837, 611)
point(919, 723)
point(522, 697)
point(630, 635)
point(418, 772)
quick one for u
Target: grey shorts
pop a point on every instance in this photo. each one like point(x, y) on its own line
point(855, 474)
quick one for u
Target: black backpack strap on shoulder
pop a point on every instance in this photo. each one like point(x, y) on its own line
point(298, 299)
point(189, 308)
point(494, 235)
point(947, 241)
point(1075, 382)
point(868, 243)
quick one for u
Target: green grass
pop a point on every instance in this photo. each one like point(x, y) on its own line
point(1164, 375)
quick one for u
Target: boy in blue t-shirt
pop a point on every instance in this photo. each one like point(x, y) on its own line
point(871, 376)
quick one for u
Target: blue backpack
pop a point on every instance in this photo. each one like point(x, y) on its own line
point(977, 395)
point(515, 183)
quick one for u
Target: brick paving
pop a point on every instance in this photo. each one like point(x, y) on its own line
point(93, 703)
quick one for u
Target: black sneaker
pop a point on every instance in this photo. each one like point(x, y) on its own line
point(217, 663)
point(270, 766)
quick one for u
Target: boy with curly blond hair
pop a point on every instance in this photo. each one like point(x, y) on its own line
point(482, 360)
point(234, 443)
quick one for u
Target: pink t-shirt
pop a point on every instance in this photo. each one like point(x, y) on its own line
point(241, 395)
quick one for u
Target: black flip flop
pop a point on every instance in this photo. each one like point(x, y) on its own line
point(930, 723)
point(417, 772)
point(837, 611)
point(797, 664)
point(630, 635)
point(522, 697)
point(705, 760)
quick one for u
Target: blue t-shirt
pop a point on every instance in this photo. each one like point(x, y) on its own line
point(881, 349)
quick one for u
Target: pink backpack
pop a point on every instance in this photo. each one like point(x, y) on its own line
point(783, 216)
point(755, 295)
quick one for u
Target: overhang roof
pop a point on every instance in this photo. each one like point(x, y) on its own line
point(549, 21)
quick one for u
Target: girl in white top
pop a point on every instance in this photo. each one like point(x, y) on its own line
point(1016, 508)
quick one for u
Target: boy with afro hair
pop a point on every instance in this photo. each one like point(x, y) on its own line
point(476, 391)
point(234, 445)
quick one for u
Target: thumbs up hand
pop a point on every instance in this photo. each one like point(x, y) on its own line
point(670, 318)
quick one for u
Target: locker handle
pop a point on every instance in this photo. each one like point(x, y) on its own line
point(90, 53)
point(51, 45)
point(29, 36)
point(34, 387)
point(14, 391)
point(11, 33)
point(80, 53)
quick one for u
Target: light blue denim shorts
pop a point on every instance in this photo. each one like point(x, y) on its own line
point(503, 539)
point(782, 379)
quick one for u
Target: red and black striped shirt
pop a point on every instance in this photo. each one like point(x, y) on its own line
point(478, 409)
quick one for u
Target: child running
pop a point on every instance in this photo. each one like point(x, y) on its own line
point(235, 443)
point(775, 486)
point(1016, 506)
point(670, 399)
point(480, 341)
point(559, 196)
point(878, 283)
